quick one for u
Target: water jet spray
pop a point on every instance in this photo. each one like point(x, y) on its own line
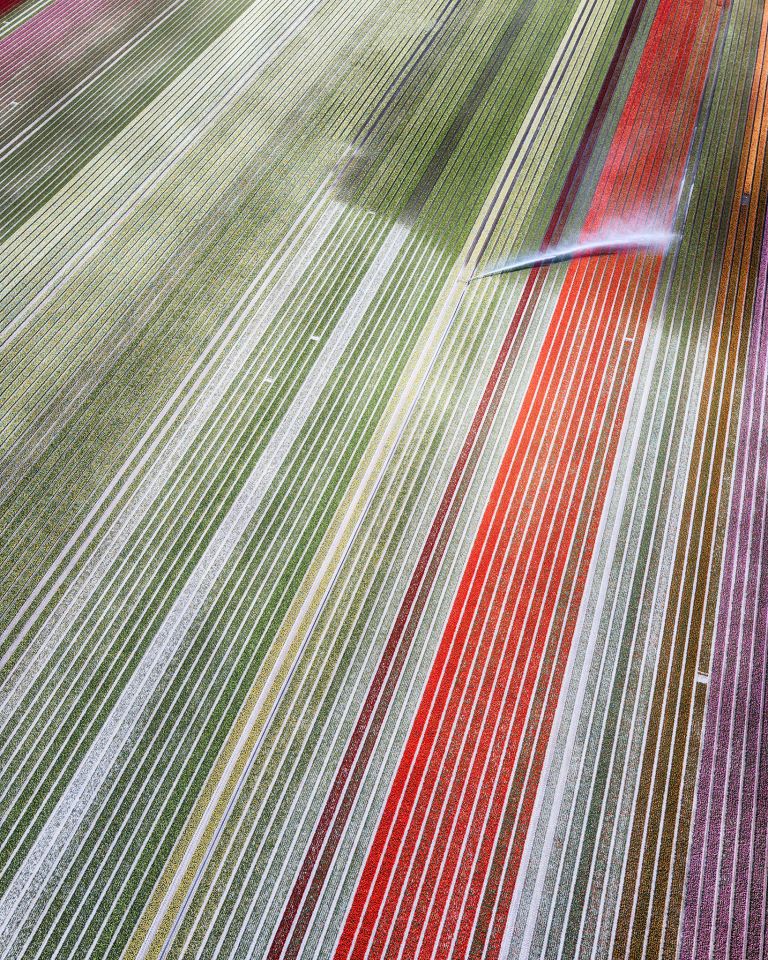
point(598, 245)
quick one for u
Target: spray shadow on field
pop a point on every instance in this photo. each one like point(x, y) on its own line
point(361, 183)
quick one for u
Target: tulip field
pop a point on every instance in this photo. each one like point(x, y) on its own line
point(384, 479)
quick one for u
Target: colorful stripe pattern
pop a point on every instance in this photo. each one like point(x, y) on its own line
point(357, 603)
